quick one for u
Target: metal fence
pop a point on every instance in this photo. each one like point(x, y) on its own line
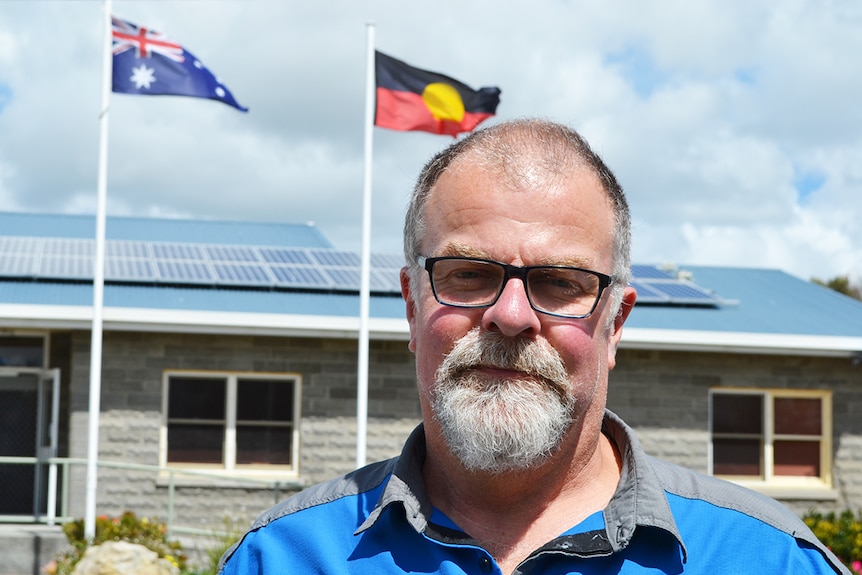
point(52, 478)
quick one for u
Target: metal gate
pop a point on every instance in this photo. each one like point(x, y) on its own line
point(29, 409)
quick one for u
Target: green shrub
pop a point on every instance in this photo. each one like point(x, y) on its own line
point(221, 541)
point(150, 533)
point(842, 533)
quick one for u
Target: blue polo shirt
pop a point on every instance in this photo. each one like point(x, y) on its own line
point(662, 519)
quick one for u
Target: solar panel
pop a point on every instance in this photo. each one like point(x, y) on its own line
point(184, 271)
point(169, 251)
point(231, 253)
point(285, 256)
point(66, 267)
point(119, 269)
point(387, 261)
point(300, 276)
point(335, 258)
point(121, 249)
point(351, 279)
point(242, 274)
point(386, 279)
point(69, 247)
point(18, 265)
point(347, 278)
point(20, 245)
point(640, 271)
point(679, 291)
point(646, 294)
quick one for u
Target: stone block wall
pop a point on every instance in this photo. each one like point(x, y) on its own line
point(131, 415)
point(662, 394)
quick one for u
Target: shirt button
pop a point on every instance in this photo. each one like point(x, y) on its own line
point(485, 565)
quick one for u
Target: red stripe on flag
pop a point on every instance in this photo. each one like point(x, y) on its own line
point(406, 111)
point(403, 111)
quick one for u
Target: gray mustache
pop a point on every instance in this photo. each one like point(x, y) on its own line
point(488, 349)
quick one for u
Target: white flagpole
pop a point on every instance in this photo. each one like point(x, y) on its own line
point(98, 286)
point(365, 282)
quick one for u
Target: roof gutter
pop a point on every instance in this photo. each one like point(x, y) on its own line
point(397, 329)
point(194, 321)
point(741, 342)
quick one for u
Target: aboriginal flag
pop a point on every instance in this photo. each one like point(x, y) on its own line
point(412, 99)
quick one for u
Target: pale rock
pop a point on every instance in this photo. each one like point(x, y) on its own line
point(123, 558)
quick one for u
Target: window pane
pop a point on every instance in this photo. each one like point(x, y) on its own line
point(195, 443)
point(264, 400)
point(798, 416)
point(264, 444)
point(797, 458)
point(196, 398)
point(737, 413)
point(736, 457)
point(21, 351)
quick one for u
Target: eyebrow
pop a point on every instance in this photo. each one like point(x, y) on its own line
point(465, 251)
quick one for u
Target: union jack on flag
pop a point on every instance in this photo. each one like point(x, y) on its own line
point(144, 41)
point(148, 63)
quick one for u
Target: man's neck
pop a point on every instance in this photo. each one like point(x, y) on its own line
point(512, 514)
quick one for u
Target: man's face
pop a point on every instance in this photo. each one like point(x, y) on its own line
point(536, 219)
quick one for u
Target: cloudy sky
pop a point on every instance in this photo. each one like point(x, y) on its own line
point(734, 125)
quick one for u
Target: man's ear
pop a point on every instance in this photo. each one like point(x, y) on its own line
point(616, 328)
point(410, 302)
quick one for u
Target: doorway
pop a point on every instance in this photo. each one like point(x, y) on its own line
point(28, 428)
point(29, 406)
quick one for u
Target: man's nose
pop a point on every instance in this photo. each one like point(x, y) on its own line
point(512, 314)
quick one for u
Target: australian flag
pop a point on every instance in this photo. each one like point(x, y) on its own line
point(148, 63)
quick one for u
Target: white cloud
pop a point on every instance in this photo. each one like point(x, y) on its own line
point(708, 112)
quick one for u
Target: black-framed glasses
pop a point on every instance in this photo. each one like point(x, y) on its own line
point(561, 291)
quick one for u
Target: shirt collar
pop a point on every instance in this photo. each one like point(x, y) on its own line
point(639, 500)
point(406, 486)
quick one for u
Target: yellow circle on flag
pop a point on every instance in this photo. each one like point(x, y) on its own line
point(443, 101)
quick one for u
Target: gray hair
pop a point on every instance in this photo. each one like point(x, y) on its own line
point(513, 147)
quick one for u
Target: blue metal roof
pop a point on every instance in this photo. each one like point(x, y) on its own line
point(741, 300)
point(200, 299)
point(163, 230)
point(758, 301)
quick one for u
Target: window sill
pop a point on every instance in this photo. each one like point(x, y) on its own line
point(789, 492)
point(222, 480)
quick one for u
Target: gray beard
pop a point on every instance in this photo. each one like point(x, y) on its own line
point(497, 425)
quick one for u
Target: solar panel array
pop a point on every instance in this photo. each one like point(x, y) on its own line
point(656, 285)
point(259, 267)
point(196, 264)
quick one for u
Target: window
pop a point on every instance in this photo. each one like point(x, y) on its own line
point(779, 438)
point(231, 421)
point(22, 351)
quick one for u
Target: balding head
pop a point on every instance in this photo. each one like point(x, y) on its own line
point(523, 151)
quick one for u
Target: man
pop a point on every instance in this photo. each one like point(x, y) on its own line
point(517, 241)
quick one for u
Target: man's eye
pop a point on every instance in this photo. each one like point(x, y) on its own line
point(560, 283)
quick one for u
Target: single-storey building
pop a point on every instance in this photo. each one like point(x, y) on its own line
point(229, 352)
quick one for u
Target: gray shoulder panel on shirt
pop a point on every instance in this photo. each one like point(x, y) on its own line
point(353, 483)
point(692, 485)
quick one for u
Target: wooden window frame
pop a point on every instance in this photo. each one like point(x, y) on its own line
point(786, 486)
point(229, 464)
